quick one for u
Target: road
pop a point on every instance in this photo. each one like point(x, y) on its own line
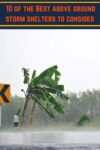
point(53, 140)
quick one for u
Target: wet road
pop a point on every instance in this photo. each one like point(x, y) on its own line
point(50, 140)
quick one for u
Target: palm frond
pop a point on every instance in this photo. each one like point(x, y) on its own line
point(33, 75)
point(57, 91)
point(26, 75)
point(46, 77)
point(43, 105)
point(57, 106)
point(83, 119)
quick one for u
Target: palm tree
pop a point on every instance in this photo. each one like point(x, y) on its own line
point(42, 90)
point(83, 119)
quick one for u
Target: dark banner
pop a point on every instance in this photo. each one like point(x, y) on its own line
point(50, 14)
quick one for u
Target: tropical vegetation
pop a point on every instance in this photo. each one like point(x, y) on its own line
point(78, 104)
point(43, 90)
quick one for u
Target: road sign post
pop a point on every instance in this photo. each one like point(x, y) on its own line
point(0, 115)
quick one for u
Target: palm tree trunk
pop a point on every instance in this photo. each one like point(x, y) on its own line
point(23, 112)
point(31, 114)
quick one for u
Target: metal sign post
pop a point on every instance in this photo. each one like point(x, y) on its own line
point(0, 115)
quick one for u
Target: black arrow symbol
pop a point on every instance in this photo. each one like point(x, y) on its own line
point(2, 93)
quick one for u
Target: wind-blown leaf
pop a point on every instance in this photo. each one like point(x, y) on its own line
point(83, 119)
point(57, 106)
point(60, 87)
point(47, 75)
point(57, 78)
point(56, 89)
point(33, 75)
point(57, 92)
point(63, 96)
point(46, 109)
point(26, 75)
point(48, 98)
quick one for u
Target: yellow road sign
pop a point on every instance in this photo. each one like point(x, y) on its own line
point(4, 93)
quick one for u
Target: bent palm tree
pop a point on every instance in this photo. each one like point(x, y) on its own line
point(42, 90)
point(83, 119)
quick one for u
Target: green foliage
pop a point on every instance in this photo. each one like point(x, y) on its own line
point(49, 77)
point(83, 119)
point(26, 75)
point(18, 112)
point(45, 106)
point(87, 102)
point(43, 89)
point(33, 75)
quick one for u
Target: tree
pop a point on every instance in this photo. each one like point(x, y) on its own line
point(83, 119)
point(42, 90)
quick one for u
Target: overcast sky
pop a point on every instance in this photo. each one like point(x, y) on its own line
point(76, 52)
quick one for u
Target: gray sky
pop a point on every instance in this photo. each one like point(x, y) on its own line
point(76, 52)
